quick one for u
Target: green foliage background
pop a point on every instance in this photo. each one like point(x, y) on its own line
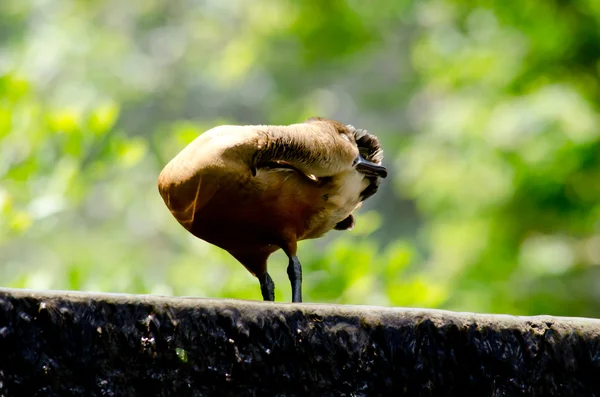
point(488, 113)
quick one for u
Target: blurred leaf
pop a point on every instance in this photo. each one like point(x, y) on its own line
point(5, 121)
point(103, 118)
point(13, 88)
point(366, 223)
point(20, 221)
point(66, 121)
point(399, 255)
point(237, 59)
point(76, 276)
point(132, 151)
point(417, 292)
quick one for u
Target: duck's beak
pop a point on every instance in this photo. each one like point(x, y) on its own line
point(369, 168)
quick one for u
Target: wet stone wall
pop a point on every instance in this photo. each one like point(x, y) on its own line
point(79, 344)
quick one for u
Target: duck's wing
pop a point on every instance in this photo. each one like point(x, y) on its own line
point(313, 147)
point(284, 166)
point(218, 158)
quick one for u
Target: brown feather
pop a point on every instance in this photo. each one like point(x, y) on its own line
point(254, 189)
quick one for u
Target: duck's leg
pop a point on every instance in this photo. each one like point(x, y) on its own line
point(256, 262)
point(267, 287)
point(294, 272)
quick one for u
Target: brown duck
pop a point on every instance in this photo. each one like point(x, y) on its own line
point(252, 190)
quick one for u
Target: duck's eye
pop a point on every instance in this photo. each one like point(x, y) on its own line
point(346, 137)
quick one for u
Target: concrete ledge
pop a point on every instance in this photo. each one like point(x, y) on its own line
point(79, 344)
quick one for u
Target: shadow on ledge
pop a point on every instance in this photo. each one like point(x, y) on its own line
point(79, 344)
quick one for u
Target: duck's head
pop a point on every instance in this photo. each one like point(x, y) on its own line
point(360, 148)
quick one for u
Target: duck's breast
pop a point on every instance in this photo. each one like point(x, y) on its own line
point(340, 196)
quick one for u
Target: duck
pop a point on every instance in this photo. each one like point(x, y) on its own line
point(254, 189)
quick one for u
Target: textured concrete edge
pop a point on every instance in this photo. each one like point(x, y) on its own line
point(397, 317)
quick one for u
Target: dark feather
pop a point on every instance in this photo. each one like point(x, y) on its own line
point(346, 224)
point(368, 145)
point(371, 189)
